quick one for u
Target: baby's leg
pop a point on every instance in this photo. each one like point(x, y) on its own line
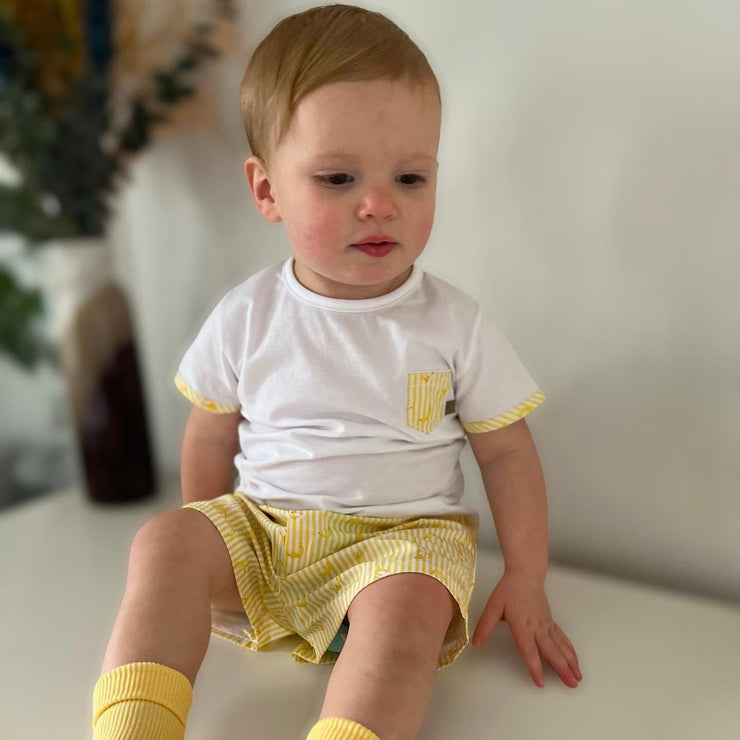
point(384, 676)
point(178, 566)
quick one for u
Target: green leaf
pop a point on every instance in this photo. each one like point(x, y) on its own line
point(20, 311)
point(21, 212)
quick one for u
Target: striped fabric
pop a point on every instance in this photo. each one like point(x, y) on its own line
point(200, 400)
point(298, 570)
point(509, 417)
point(425, 399)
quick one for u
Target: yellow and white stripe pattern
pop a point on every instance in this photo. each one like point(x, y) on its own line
point(509, 417)
point(298, 570)
point(425, 398)
point(202, 401)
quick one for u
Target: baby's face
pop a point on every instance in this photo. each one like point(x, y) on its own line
point(358, 162)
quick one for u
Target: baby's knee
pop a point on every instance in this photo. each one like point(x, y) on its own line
point(406, 615)
point(171, 535)
point(412, 599)
point(184, 544)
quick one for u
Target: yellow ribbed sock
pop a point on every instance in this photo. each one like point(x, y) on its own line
point(336, 728)
point(141, 701)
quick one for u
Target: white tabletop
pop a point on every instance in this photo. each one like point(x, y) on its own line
point(656, 663)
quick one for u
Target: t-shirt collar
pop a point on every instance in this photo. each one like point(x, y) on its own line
point(350, 305)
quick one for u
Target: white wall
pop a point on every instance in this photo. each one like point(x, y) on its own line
point(589, 182)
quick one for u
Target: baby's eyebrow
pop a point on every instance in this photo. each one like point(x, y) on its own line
point(346, 157)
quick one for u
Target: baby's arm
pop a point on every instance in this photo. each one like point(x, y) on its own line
point(515, 486)
point(209, 445)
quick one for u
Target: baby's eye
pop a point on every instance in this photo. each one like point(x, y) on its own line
point(411, 179)
point(337, 178)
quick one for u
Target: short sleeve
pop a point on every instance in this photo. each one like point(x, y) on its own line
point(493, 388)
point(208, 376)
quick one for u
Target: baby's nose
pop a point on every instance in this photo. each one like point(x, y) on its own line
point(378, 203)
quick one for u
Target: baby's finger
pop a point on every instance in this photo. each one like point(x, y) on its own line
point(489, 619)
point(556, 658)
point(527, 646)
point(565, 645)
point(564, 636)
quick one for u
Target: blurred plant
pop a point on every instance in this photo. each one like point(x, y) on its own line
point(82, 89)
point(20, 334)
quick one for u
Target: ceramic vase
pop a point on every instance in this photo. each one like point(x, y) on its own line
point(90, 324)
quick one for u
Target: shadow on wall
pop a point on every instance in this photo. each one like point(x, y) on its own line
point(642, 473)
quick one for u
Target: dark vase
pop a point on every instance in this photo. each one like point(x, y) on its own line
point(93, 330)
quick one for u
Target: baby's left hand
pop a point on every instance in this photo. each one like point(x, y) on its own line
point(522, 604)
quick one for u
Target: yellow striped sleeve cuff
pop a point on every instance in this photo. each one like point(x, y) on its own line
point(509, 417)
point(202, 401)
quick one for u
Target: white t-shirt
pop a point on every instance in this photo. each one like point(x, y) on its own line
point(356, 406)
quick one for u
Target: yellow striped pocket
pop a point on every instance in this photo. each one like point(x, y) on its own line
point(425, 398)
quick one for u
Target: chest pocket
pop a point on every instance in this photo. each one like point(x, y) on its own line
point(425, 399)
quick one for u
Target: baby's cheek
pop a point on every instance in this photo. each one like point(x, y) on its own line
point(423, 222)
point(320, 231)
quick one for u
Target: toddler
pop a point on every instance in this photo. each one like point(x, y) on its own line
point(343, 382)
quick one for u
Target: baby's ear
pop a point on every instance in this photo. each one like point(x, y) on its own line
point(258, 178)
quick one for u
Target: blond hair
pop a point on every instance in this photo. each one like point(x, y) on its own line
point(331, 43)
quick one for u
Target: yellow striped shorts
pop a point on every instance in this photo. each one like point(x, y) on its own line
point(298, 571)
